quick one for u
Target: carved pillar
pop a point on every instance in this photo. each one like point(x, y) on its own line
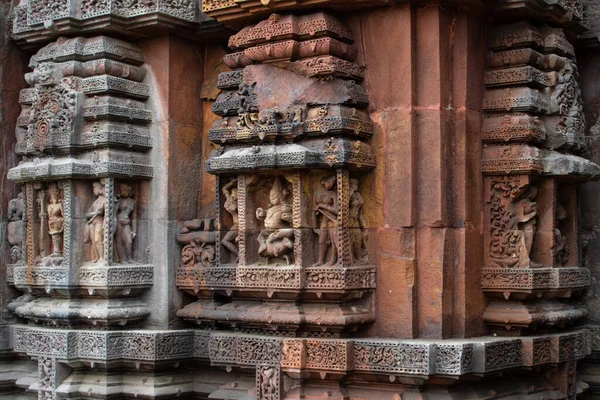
point(83, 134)
point(533, 129)
point(531, 200)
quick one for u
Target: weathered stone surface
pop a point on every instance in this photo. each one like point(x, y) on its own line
point(371, 195)
point(39, 21)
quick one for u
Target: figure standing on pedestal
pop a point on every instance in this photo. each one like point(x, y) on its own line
point(94, 230)
point(358, 232)
point(325, 205)
point(56, 220)
point(126, 225)
point(230, 240)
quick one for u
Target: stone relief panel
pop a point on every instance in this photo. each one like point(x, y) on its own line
point(292, 150)
point(16, 234)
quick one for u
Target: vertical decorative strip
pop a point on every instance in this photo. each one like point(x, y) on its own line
point(268, 382)
point(110, 218)
point(219, 227)
point(30, 210)
point(68, 215)
point(343, 188)
point(47, 378)
point(294, 179)
point(242, 193)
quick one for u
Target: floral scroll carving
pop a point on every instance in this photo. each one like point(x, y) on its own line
point(513, 214)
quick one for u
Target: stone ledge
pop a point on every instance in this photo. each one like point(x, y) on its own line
point(333, 153)
point(420, 358)
point(276, 278)
point(534, 279)
point(39, 21)
point(66, 168)
point(82, 312)
point(285, 315)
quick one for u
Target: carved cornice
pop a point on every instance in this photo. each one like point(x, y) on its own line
point(41, 21)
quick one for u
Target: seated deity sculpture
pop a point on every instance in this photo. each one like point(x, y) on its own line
point(277, 239)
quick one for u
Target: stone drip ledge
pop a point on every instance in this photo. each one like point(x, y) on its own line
point(376, 356)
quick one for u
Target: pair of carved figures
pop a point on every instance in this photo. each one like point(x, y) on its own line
point(124, 226)
point(327, 212)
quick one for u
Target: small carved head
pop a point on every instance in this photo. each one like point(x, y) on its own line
point(125, 190)
point(98, 189)
point(328, 182)
point(54, 192)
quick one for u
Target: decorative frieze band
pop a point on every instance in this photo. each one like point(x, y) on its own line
point(277, 278)
point(374, 356)
point(42, 20)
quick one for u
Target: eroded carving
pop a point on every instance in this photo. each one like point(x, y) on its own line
point(268, 386)
point(325, 207)
point(94, 228)
point(16, 228)
point(52, 215)
point(126, 229)
point(513, 213)
point(230, 241)
point(199, 237)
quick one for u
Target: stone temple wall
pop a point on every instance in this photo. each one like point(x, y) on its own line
point(299, 199)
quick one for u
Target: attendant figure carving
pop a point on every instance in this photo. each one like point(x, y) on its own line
point(56, 220)
point(230, 241)
point(325, 206)
point(126, 224)
point(16, 227)
point(268, 384)
point(94, 229)
point(277, 239)
point(561, 247)
point(358, 225)
point(527, 218)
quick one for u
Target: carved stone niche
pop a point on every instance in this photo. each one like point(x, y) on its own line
point(39, 21)
point(80, 228)
point(532, 270)
point(284, 238)
point(291, 240)
point(83, 133)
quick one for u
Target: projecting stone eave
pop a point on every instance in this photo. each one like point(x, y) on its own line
point(569, 166)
